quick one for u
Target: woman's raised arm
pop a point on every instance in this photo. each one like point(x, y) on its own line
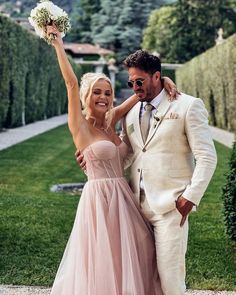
point(75, 116)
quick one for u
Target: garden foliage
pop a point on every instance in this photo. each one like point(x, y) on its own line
point(187, 28)
point(113, 24)
point(31, 85)
point(212, 77)
point(229, 197)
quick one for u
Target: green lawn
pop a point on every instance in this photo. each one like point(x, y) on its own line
point(35, 224)
point(211, 260)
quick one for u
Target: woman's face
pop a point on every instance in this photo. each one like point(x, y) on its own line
point(101, 98)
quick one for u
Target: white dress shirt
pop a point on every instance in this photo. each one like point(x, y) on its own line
point(155, 102)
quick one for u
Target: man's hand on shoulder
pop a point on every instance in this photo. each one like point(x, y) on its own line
point(80, 160)
point(184, 206)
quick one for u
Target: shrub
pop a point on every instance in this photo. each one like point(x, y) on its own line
point(212, 76)
point(229, 197)
point(31, 85)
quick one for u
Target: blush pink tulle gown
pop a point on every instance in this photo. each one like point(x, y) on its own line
point(111, 248)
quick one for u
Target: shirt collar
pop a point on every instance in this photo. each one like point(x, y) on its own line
point(156, 100)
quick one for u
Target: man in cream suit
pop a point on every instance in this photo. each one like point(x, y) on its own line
point(173, 159)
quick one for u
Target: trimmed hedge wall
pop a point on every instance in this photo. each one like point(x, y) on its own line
point(229, 197)
point(212, 76)
point(31, 85)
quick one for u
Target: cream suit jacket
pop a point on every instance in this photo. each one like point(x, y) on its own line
point(179, 156)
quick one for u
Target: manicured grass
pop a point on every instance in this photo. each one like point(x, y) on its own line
point(211, 258)
point(35, 224)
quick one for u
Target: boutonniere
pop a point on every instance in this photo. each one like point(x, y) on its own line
point(157, 119)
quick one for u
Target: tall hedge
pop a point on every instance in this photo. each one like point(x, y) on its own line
point(31, 85)
point(229, 197)
point(212, 76)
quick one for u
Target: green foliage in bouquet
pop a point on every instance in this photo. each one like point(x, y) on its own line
point(229, 197)
point(212, 76)
point(31, 85)
point(42, 17)
point(62, 23)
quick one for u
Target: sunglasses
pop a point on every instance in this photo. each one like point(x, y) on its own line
point(139, 83)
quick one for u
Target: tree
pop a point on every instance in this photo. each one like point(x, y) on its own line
point(75, 33)
point(191, 27)
point(130, 27)
point(195, 30)
point(104, 25)
point(81, 18)
point(118, 24)
point(158, 34)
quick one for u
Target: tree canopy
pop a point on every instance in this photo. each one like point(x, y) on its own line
point(188, 27)
point(115, 24)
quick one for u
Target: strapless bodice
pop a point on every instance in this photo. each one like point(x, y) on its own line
point(104, 159)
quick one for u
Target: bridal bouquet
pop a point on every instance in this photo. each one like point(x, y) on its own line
point(46, 13)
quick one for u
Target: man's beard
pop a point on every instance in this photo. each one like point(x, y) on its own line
point(148, 96)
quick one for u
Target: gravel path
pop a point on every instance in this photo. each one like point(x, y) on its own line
point(16, 135)
point(225, 137)
point(23, 290)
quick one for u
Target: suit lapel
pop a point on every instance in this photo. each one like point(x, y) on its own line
point(158, 117)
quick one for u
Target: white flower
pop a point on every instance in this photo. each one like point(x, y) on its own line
point(46, 12)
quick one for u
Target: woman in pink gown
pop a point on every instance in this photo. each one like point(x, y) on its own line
point(111, 248)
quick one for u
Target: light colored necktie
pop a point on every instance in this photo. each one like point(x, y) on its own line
point(145, 121)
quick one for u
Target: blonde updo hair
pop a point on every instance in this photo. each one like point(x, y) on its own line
point(86, 86)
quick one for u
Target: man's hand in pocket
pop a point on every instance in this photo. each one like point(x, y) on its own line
point(184, 207)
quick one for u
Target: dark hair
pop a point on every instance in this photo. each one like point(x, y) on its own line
point(144, 61)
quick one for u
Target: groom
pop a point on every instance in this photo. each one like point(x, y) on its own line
point(172, 161)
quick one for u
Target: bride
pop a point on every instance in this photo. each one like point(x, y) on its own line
point(111, 248)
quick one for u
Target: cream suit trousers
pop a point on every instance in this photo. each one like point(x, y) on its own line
point(171, 246)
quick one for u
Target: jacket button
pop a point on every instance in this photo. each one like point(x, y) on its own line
point(144, 150)
point(138, 170)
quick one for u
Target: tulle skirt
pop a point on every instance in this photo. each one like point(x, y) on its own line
point(111, 249)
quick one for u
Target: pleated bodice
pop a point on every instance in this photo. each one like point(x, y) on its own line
point(104, 159)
